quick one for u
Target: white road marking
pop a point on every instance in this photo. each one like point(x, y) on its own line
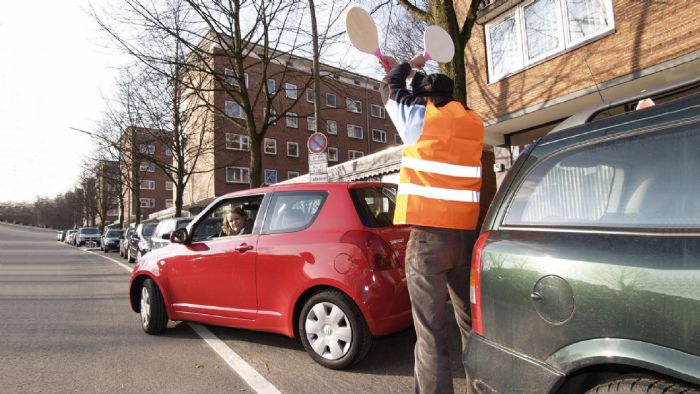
point(119, 263)
point(256, 381)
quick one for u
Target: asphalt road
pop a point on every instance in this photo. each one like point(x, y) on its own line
point(66, 326)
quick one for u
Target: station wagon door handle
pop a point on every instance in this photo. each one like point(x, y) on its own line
point(244, 248)
point(535, 296)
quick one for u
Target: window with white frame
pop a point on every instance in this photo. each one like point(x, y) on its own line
point(233, 109)
point(292, 120)
point(148, 185)
point(292, 149)
point(330, 100)
point(145, 166)
point(292, 174)
point(354, 154)
point(379, 135)
point(168, 152)
point(146, 149)
point(378, 111)
point(270, 177)
point(169, 185)
point(310, 94)
point(271, 86)
point(353, 105)
point(290, 90)
point(355, 131)
point(237, 142)
point(397, 139)
point(148, 202)
point(231, 77)
point(169, 203)
point(311, 123)
point(237, 175)
point(331, 127)
point(270, 146)
point(539, 29)
point(332, 154)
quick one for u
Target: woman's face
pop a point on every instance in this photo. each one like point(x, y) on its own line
point(237, 221)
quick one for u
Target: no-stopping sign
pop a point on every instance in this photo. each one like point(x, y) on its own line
point(317, 143)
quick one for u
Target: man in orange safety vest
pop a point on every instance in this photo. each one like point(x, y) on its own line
point(438, 194)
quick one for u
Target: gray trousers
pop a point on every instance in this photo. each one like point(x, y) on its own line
point(437, 266)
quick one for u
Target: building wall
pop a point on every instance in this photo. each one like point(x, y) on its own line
point(646, 33)
point(356, 88)
point(159, 193)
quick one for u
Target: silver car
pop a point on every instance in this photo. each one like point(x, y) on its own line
point(161, 235)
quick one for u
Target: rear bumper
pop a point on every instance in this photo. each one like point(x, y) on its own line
point(495, 369)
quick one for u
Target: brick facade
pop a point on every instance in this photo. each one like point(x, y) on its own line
point(149, 173)
point(647, 33)
point(342, 84)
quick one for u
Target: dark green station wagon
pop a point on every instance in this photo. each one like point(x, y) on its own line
point(586, 275)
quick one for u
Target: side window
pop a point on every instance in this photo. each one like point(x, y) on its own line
point(229, 217)
point(375, 205)
point(643, 181)
point(293, 211)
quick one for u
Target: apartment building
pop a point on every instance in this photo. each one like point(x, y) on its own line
point(353, 119)
point(532, 63)
point(152, 189)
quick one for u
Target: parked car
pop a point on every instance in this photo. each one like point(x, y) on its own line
point(140, 241)
point(59, 235)
point(110, 239)
point(164, 229)
point(70, 237)
point(323, 263)
point(87, 236)
point(124, 242)
point(587, 270)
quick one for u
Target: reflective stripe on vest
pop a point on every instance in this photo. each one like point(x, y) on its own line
point(440, 175)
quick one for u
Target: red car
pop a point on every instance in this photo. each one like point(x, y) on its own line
point(322, 261)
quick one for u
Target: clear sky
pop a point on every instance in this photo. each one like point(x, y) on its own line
point(56, 66)
point(54, 71)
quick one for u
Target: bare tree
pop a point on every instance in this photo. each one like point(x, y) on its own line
point(234, 48)
point(443, 14)
point(154, 33)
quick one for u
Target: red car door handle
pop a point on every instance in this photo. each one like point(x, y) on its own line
point(244, 248)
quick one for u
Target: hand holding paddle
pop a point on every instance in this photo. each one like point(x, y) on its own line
point(362, 32)
point(437, 45)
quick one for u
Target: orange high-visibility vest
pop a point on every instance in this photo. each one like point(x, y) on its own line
point(440, 178)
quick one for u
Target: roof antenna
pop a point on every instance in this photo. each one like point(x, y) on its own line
point(602, 99)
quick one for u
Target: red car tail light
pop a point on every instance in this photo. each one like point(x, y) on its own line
point(475, 284)
point(378, 253)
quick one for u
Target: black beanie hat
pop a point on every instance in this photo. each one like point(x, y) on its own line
point(440, 85)
point(433, 85)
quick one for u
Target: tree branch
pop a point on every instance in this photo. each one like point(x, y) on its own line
point(415, 11)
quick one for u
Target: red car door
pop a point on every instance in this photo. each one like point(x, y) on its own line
point(215, 277)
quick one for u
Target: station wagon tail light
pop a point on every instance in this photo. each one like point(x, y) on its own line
point(378, 253)
point(475, 284)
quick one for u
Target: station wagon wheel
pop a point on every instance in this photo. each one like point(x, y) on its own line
point(154, 318)
point(333, 331)
point(640, 385)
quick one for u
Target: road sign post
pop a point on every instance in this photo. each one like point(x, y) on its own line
point(318, 160)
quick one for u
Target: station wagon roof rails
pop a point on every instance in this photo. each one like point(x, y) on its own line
point(586, 115)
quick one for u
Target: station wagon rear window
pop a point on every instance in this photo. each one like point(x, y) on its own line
point(649, 180)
